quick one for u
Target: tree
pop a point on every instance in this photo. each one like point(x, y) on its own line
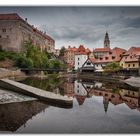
point(112, 67)
point(62, 50)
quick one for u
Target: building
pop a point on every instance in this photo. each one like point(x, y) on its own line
point(15, 31)
point(129, 60)
point(69, 56)
point(57, 52)
point(99, 52)
point(114, 55)
point(80, 57)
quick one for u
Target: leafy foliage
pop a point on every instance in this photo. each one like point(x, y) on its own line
point(112, 67)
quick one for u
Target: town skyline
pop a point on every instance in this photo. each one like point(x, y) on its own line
point(84, 25)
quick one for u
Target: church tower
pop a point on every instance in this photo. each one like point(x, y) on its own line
point(106, 41)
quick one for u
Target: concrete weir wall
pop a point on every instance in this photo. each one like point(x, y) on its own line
point(56, 99)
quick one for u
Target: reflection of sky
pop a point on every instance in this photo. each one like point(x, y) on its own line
point(89, 118)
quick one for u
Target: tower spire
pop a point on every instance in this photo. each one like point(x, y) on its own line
point(106, 41)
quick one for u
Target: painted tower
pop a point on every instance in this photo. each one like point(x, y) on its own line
point(106, 41)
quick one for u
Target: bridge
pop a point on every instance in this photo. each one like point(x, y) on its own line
point(42, 69)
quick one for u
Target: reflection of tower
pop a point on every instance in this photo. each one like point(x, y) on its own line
point(106, 41)
point(106, 103)
point(139, 97)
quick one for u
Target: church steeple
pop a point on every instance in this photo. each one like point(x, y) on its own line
point(106, 41)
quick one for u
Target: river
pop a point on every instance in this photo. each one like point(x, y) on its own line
point(97, 108)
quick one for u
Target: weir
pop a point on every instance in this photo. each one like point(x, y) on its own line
point(56, 99)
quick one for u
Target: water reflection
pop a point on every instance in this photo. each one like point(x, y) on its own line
point(84, 89)
point(96, 106)
point(14, 115)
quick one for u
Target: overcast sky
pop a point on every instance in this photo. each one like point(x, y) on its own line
point(85, 25)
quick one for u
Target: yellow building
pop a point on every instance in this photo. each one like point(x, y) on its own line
point(129, 59)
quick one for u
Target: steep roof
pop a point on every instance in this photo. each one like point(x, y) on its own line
point(15, 16)
point(101, 50)
point(131, 55)
point(11, 16)
point(82, 51)
point(114, 55)
point(80, 99)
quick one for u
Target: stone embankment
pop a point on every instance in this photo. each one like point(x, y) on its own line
point(35, 92)
point(133, 81)
point(6, 73)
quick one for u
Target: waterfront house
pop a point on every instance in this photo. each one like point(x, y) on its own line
point(98, 64)
point(69, 56)
point(81, 56)
point(15, 31)
point(129, 60)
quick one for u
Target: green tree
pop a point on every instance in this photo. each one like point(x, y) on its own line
point(62, 50)
point(112, 67)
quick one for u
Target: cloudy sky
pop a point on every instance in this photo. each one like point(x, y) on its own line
point(85, 25)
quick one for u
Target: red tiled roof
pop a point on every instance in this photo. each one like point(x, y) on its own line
point(74, 49)
point(101, 50)
point(15, 16)
point(12, 16)
point(80, 99)
point(131, 55)
point(114, 55)
point(81, 48)
point(82, 51)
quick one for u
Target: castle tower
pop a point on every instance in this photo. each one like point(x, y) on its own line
point(106, 41)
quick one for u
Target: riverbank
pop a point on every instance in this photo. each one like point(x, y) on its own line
point(105, 78)
point(8, 73)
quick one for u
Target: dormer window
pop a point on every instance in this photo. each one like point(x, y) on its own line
point(106, 58)
point(113, 57)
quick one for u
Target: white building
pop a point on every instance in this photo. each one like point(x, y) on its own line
point(80, 57)
point(80, 60)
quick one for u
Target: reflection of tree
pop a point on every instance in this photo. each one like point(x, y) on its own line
point(46, 84)
point(14, 115)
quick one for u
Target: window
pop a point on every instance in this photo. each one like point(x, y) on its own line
point(122, 65)
point(78, 58)
point(4, 30)
point(88, 63)
point(113, 57)
point(106, 58)
point(128, 65)
point(78, 63)
point(0, 36)
point(97, 65)
point(7, 36)
point(133, 65)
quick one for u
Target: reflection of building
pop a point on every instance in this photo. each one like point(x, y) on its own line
point(69, 89)
point(15, 31)
point(115, 96)
point(14, 115)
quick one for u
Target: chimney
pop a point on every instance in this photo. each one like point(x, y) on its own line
point(26, 19)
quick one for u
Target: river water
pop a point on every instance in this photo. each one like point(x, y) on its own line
point(98, 107)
